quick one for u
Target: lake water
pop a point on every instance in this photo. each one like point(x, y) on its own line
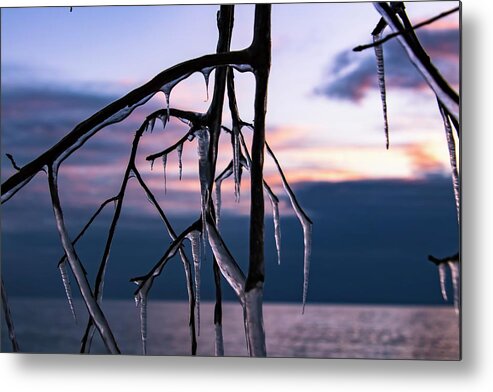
point(324, 331)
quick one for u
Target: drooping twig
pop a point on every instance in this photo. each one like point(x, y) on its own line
point(89, 299)
point(9, 320)
point(305, 221)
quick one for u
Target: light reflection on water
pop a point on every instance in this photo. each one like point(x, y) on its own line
point(324, 331)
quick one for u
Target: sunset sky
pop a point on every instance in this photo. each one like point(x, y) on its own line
point(324, 117)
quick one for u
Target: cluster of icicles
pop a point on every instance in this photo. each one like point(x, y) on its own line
point(198, 239)
point(451, 263)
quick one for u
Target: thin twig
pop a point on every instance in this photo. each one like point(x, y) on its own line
point(11, 158)
point(9, 320)
point(397, 33)
point(92, 305)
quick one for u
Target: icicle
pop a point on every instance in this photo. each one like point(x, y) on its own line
point(277, 226)
point(141, 303)
point(202, 150)
point(152, 164)
point(207, 72)
point(442, 276)
point(166, 89)
point(306, 224)
point(179, 150)
point(307, 241)
point(164, 119)
point(236, 162)
point(381, 84)
point(454, 271)
point(194, 238)
point(217, 204)
point(66, 284)
point(164, 159)
point(152, 122)
point(452, 157)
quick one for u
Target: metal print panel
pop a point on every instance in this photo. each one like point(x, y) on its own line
point(236, 180)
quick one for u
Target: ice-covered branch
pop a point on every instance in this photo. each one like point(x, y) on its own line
point(155, 271)
point(445, 94)
point(452, 157)
point(118, 111)
point(9, 320)
point(93, 308)
point(395, 34)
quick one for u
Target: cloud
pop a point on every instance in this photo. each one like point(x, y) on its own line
point(351, 75)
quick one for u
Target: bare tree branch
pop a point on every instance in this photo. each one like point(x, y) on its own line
point(395, 34)
point(445, 94)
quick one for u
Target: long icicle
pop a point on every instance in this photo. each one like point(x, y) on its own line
point(194, 238)
point(306, 224)
point(62, 267)
point(277, 224)
point(381, 84)
point(453, 158)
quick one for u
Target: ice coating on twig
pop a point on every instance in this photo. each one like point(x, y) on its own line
point(254, 319)
point(381, 83)
point(164, 159)
point(454, 271)
point(115, 118)
point(194, 238)
point(141, 303)
point(8, 319)
point(206, 72)
point(77, 269)
point(179, 151)
point(442, 276)
point(219, 343)
point(452, 157)
point(243, 67)
point(62, 267)
point(226, 263)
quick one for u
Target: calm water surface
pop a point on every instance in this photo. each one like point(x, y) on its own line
point(324, 331)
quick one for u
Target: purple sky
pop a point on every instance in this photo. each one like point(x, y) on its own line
point(324, 118)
